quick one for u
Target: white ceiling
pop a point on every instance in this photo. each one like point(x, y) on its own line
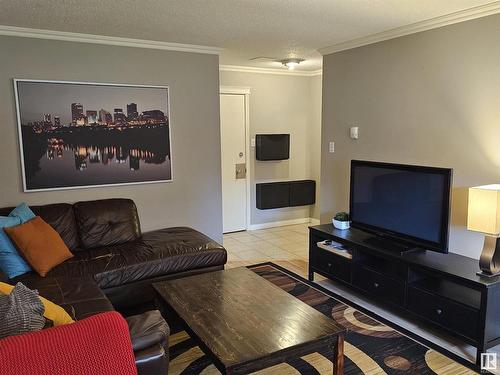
point(244, 28)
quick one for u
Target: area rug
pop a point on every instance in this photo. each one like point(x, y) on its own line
point(370, 346)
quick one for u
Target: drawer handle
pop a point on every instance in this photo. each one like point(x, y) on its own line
point(376, 285)
point(439, 311)
point(329, 265)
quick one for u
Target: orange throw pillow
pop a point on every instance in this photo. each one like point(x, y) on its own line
point(39, 244)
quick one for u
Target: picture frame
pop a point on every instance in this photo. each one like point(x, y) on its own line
point(89, 134)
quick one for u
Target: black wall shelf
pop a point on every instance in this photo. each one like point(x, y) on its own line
point(285, 194)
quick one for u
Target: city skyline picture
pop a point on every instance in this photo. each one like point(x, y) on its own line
point(79, 134)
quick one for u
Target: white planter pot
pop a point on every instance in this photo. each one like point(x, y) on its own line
point(341, 224)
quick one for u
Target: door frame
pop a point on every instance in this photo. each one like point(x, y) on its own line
point(245, 91)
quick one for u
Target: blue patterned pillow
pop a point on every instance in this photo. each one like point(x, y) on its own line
point(11, 263)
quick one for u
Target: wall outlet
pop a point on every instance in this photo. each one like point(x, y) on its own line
point(331, 147)
point(252, 142)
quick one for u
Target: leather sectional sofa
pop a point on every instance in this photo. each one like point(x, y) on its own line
point(114, 265)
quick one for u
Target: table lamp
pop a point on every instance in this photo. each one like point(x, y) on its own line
point(484, 216)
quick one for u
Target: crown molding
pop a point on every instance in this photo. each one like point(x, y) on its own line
point(107, 40)
point(433, 23)
point(253, 69)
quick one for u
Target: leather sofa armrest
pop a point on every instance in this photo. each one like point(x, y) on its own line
point(147, 330)
point(152, 361)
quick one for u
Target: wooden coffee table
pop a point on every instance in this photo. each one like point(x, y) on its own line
point(244, 323)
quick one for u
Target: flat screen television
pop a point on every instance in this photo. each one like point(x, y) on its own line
point(405, 203)
point(272, 146)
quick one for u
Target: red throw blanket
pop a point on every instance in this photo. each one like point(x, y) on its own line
point(99, 345)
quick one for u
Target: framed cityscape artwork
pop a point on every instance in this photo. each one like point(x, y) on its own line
point(79, 134)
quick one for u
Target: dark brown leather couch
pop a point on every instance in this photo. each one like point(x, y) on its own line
point(114, 265)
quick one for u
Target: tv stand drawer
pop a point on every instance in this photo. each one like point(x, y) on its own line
point(444, 312)
point(378, 285)
point(332, 264)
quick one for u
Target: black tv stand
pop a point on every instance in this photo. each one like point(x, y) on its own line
point(442, 290)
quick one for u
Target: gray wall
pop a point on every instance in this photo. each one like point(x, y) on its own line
point(194, 197)
point(314, 133)
point(430, 98)
point(282, 104)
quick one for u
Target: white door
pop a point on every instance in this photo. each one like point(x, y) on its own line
point(232, 126)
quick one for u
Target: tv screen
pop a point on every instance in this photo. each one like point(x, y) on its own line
point(272, 146)
point(409, 203)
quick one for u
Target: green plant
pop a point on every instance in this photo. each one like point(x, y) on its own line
point(341, 216)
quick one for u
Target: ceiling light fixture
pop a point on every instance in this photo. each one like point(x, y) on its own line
point(291, 64)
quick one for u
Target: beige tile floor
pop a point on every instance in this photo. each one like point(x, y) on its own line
point(286, 246)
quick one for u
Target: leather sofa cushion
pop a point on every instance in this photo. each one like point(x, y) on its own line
point(59, 216)
point(3, 277)
point(80, 297)
point(107, 222)
point(161, 252)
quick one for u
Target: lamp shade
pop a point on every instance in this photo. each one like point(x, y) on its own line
point(484, 209)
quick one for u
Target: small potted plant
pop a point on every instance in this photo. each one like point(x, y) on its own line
point(341, 220)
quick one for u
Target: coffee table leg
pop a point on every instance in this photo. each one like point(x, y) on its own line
point(338, 356)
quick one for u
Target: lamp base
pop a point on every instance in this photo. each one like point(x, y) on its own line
point(487, 275)
point(489, 262)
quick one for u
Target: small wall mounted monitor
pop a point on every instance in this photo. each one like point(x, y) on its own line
point(402, 202)
point(272, 147)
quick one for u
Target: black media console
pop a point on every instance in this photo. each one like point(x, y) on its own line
point(440, 289)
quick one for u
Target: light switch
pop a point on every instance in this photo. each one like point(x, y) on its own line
point(331, 147)
point(252, 142)
point(354, 132)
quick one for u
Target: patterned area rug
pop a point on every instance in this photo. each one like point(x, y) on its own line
point(370, 347)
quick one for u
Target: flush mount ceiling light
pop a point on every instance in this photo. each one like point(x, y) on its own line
point(291, 63)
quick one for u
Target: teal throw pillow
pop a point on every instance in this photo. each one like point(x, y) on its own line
point(11, 263)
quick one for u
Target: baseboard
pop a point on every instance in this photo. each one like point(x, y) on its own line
point(283, 223)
